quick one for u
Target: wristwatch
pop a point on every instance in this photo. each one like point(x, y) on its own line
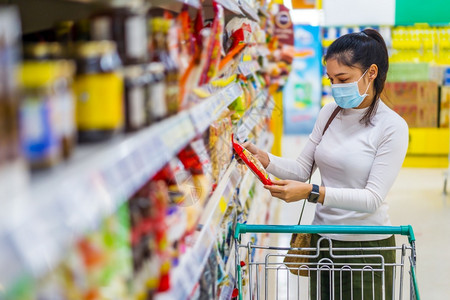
point(314, 195)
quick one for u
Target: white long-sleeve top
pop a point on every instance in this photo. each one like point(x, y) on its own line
point(358, 165)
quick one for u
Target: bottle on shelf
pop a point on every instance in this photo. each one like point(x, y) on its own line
point(160, 29)
point(64, 99)
point(127, 27)
point(98, 89)
point(156, 104)
point(13, 171)
point(135, 98)
point(38, 114)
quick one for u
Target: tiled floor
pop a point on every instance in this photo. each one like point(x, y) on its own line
point(417, 199)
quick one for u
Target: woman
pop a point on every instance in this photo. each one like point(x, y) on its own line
point(359, 156)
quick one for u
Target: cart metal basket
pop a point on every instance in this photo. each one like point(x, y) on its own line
point(262, 274)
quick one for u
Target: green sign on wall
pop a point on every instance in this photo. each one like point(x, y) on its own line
point(409, 12)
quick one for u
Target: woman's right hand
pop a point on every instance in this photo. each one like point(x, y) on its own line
point(261, 155)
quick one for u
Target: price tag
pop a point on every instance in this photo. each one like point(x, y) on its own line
point(242, 133)
point(230, 94)
point(237, 90)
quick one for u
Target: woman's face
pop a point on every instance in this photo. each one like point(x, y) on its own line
point(339, 73)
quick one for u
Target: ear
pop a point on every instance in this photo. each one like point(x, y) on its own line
point(373, 72)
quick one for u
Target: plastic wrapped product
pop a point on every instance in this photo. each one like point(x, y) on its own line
point(253, 163)
point(196, 160)
point(213, 52)
point(239, 30)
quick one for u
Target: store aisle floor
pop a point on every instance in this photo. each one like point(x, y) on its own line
point(416, 198)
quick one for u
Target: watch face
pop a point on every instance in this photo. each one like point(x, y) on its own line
point(313, 198)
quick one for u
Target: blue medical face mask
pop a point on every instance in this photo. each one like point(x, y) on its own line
point(347, 95)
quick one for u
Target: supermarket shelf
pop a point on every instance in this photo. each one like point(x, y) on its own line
point(174, 5)
point(263, 11)
point(244, 189)
point(91, 1)
point(249, 11)
point(249, 67)
point(81, 192)
point(261, 108)
point(210, 109)
point(248, 180)
point(170, 4)
point(232, 6)
point(187, 274)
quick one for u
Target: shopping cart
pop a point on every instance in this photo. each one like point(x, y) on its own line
point(262, 274)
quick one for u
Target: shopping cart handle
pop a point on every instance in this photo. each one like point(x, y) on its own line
point(339, 229)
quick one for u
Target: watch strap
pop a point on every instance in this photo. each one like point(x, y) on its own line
point(314, 195)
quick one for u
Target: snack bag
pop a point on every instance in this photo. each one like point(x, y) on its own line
point(253, 163)
point(213, 52)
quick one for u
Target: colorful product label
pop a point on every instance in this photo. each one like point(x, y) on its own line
point(39, 137)
point(99, 101)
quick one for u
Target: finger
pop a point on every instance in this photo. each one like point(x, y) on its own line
point(273, 188)
point(268, 187)
point(246, 144)
point(250, 147)
point(279, 182)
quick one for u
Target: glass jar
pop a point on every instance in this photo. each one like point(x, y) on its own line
point(160, 29)
point(135, 97)
point(156, 104)
point(43, 51)
point(38, 115)
point(127, 28)
point(98, 90)
point(64, 99)
point(13, 170)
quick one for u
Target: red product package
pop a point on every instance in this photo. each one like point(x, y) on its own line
point(253, 163)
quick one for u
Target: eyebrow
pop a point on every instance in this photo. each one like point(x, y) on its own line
point(339, 74)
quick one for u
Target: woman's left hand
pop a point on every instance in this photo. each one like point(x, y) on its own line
point(289, 190)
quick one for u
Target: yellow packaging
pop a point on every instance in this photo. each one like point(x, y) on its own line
point(99, 101)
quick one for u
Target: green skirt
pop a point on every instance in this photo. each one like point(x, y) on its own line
point(367, 287)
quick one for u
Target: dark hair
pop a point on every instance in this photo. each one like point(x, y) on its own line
point(364, 49)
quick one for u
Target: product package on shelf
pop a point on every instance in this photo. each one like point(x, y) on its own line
point(154, 250)
point(13, 172)
point(154, 97)
point(97, 267)
point(213, 51)
point(196, 160)
point(220, 149)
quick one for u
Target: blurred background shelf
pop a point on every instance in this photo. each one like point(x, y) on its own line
point(64, 202)
point(249, 67)
point(261, 108)
point(187, 274)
